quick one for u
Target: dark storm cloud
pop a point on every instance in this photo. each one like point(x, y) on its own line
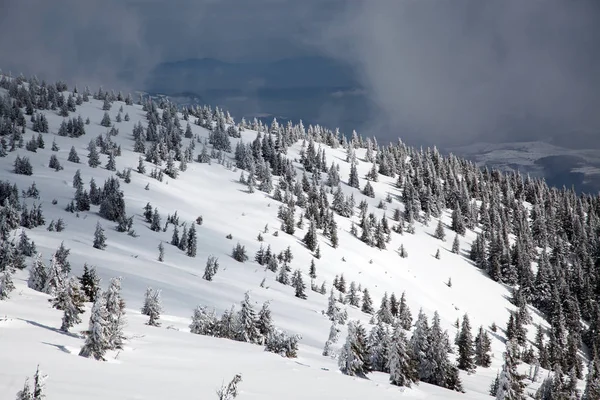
point(458, 70)
point(440, 71)
point(99, 39)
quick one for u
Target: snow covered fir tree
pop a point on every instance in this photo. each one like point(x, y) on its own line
point(328, 244)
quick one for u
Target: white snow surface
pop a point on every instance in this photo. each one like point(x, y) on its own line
point(164, 363)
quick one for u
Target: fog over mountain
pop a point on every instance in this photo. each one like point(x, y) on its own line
point(444, 73)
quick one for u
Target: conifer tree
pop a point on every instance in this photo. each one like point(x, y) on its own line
point(456, 245)
point(299, 285)
point(239, 253)
point(367, 303)
point(592, 381)
point(152, 307)
point(510, 385)
point(192, 241)
point(99, 237)
point(6, 283)
point(439, 231)
point(482, 349)
point(230, 391)
point(310, 239)
point(465, 346)
point(115, 317)
point(400, 364)
point(93, 156)
point(69, 299)
point(39, 387)
point(73, 156)
point(90, 283)
point(212, 266)
point(353, 180)
point(264, 321)
point(312, 271)
point(97, 335)
point(353, 359)
point(38, 275)
point(247, 330)
point(161, 252)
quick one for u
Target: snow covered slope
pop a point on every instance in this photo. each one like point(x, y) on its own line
point(160, 363)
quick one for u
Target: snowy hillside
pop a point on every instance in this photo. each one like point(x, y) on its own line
point(169, 361)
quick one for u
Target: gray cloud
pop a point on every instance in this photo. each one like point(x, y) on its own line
point(96, 40)
point(434, 71)
point(449, 71)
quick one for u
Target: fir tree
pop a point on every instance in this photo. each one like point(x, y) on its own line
point(439, 231)
point(367, 303)
point(39, 387)
point(247, 330)
point(353, 180)
point(312, 271)
point(264, 321)
point(465, 346)
point(192, 241)
point(152, 307)
point(400, 363)
point(161, 252)
point(6, 283)
point(510, 385)
point(230, 391)
point(456, 245)
point(310, 239)
point(353, 359)
point(97, 335)
point(93, 156)
point(73, 156)
point(38, 275)
point(99, 237)
point(239, 253)
point(90, 283)
point(115, 308)
point(482, 349)
point(69, 299)
point(592, 381)
point(212, 266)
point(299, 286)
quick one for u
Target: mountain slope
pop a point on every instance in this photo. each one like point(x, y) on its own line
point(159, 362)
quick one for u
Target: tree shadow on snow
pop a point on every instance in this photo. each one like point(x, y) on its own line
point(50, 328)
point(59, 347)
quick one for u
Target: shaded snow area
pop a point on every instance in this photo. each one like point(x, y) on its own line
point(169, 362)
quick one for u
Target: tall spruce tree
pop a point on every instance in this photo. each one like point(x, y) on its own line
point(466, 354)
point(353, 359)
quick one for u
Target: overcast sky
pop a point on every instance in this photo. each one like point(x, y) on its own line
point(440, 70)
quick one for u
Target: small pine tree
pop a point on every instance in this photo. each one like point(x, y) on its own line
point(212, 266)
point(90, 283)
point(437, 254)
point(299, 286)
point(456, 245)
point(239, 253)
point(69, 298)
point(439, 231)
point(96, 342)
point(229, 391)
point(353, 359)
point(161, 252)
point(54, 163)
point(39, 387)
point(105, 120)
point(312, 272)
point(152, 307)
point(73, 156)
point(99, 237)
